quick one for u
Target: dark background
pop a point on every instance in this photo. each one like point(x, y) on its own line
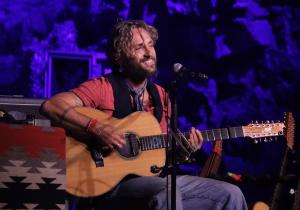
point(249, 50)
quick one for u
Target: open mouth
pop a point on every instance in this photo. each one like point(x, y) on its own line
point(149, 62)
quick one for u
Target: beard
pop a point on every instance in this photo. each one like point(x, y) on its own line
point(136, 72)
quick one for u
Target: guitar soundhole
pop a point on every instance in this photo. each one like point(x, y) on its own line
point(131, 148)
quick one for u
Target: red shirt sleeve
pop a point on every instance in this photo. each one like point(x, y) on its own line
point(96, 93)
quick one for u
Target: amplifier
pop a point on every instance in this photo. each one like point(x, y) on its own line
point(24, 110)
point(32, 167)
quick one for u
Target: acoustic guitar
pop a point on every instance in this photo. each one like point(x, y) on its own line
point(289, 134)
point(144, 149)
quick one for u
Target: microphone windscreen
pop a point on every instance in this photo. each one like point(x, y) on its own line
point(177, 67)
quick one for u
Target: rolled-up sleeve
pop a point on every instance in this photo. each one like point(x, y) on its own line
point(96, 93)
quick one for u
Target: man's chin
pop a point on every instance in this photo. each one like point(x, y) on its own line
point(151, 72)
point(140, 72)
point(150, 69)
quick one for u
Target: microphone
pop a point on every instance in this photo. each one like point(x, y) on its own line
point(182, 71)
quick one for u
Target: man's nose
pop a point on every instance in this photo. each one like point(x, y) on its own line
point(146, 51)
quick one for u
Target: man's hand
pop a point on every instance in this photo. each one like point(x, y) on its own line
point(109, 135)
point(195, 138)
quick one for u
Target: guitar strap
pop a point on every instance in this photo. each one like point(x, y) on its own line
point(122, 101)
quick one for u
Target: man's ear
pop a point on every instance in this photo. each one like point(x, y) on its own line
point(122, 59)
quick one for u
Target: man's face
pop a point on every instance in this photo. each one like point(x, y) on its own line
point(141, 56)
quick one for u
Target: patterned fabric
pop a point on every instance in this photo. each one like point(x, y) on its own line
point(137, 94)
point(32, 167)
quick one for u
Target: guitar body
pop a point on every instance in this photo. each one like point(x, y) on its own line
point(84, 179)
point(260, 206)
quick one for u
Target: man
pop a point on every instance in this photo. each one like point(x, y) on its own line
point(131, 49)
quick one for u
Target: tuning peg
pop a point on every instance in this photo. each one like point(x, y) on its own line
point(267, 122)
point(265, 140)
point(255, 141)
point(292, 191)
point(256, 122)
point(258, 140)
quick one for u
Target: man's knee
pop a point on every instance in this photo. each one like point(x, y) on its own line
point(235, 197)
point(232, 190)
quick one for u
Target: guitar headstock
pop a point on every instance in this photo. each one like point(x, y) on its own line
point(289, 133)
point(264, 130)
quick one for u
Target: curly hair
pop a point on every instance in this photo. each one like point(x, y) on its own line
point(121, 37)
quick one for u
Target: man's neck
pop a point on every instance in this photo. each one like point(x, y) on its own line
point(136, 85)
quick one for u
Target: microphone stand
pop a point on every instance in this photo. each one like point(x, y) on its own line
point(172, 91)
point(172, 141)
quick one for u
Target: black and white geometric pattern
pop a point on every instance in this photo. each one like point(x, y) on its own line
point(31, 183)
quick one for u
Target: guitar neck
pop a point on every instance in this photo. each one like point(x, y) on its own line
point(161, 141)
point(153, 142)
point(279, 185)
point(222, 133)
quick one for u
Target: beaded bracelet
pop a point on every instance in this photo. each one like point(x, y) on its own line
point(91, 125)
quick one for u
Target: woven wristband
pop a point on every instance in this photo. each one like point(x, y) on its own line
point(91, 125)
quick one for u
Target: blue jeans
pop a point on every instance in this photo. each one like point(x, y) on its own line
point(193, 193)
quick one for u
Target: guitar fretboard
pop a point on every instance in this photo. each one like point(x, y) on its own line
point(222, 133)
point(160, 141)
point(153, 142)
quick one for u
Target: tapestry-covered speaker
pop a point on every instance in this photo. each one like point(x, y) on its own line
point(32, 167)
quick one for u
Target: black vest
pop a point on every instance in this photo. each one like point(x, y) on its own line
point(122, 101)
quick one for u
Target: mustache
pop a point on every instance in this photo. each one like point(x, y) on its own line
point(148, 58)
